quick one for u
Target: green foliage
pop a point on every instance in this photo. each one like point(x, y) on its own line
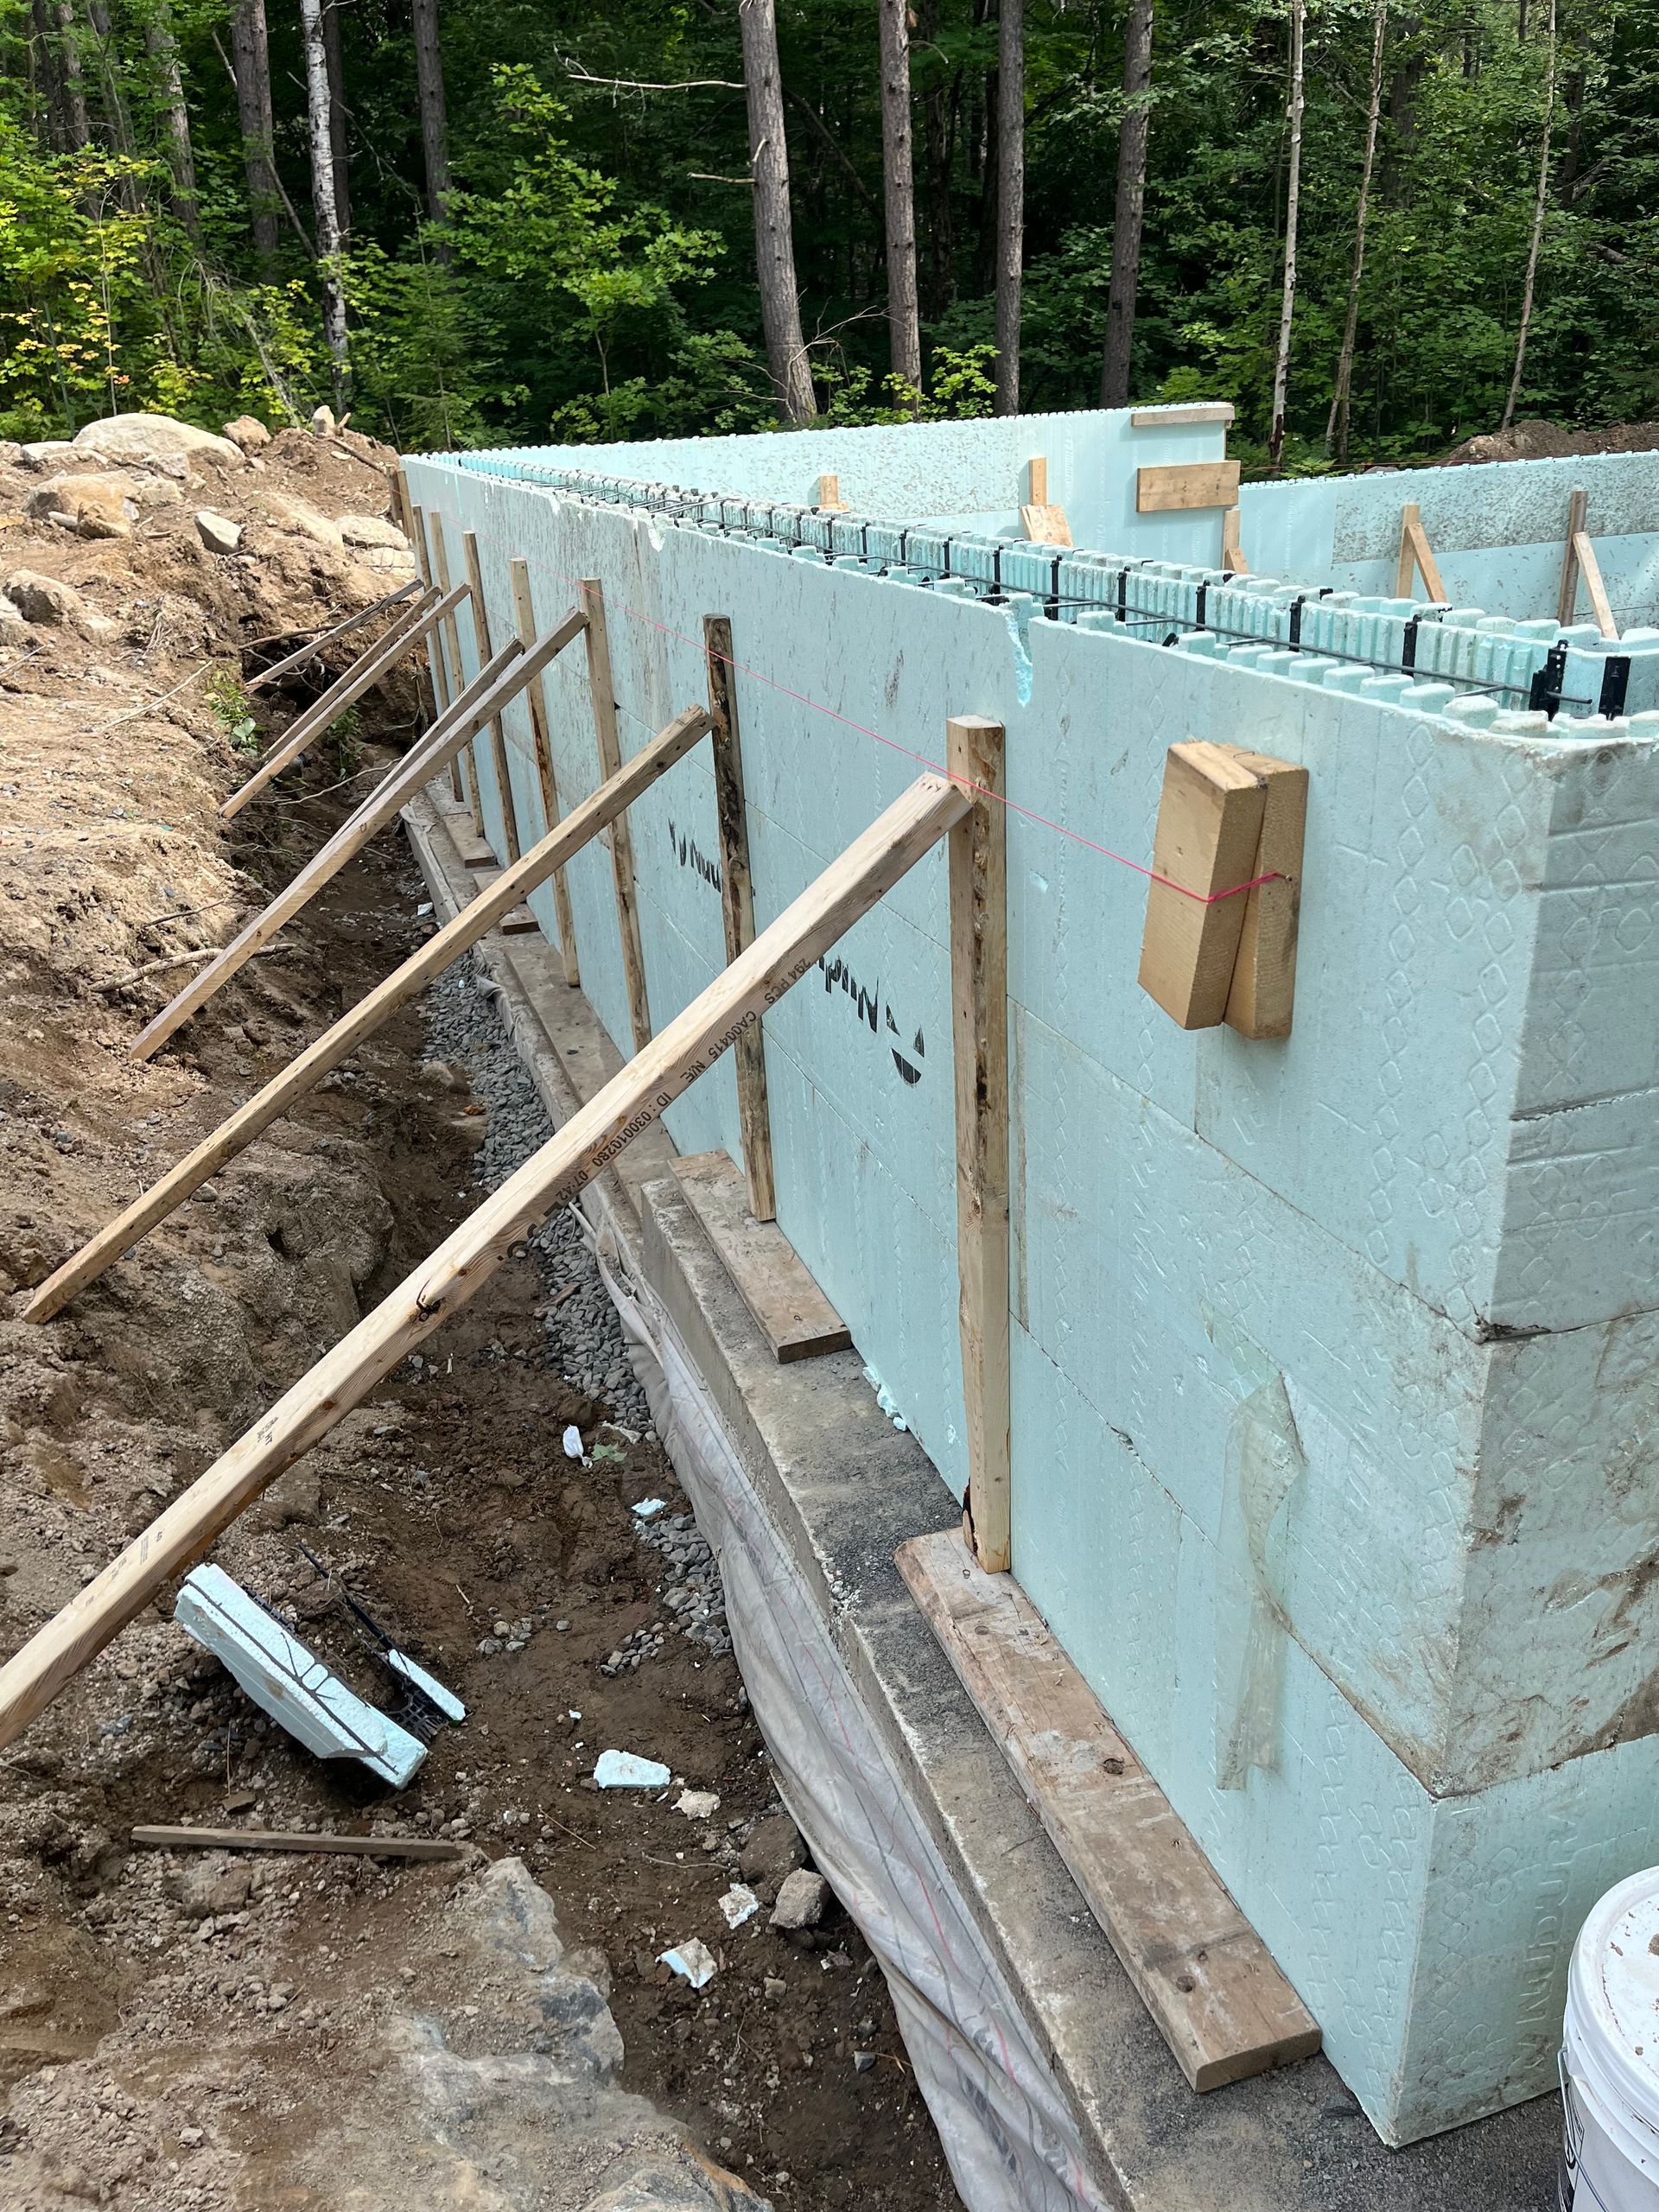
point(228, 700)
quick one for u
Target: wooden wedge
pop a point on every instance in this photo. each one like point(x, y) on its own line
point(594, 1136)
point(512, 668)
point(303, 1074)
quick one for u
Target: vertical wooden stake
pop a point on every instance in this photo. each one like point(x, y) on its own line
point(1577, 513)
point(457, 676)
point(498, 734)
point(435, 669)
point(1037, 480)
point(979, 992)
point(1232, 553)
point(603, 688)
point(523, 612)
point(1416, 557)
point(737, 907)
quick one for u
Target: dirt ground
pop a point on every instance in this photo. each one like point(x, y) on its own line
point(178, 2031)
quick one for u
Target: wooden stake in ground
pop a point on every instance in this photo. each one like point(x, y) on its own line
point(493, 685)
point(602, 686)
point(365, 671)
point(737, 911)
point(234, 1135)
point(524, 610)
point(593, 1137)
point(1416, 557)
point(451, 633)
point(497, 735)
point(979, 997)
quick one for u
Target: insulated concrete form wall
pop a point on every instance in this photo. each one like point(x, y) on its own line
point(1334, 1376)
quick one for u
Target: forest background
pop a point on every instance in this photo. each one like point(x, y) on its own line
point(1375, 232)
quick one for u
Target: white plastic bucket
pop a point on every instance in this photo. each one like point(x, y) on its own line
point(1609, 2055)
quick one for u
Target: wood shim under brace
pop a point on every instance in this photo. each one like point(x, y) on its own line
point(1202, 1972)
point(1186, 484)
point(362, 1846)
point(1043, 523)
point(769, 1276)
point(1416, 558)
point(593, 1137)
point(602, 684)
point(1209, 832)
point(493, 904)
point(1579, 562)
point(737, 910)
point(979, 1000)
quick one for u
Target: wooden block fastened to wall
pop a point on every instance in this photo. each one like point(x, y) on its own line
point(1226, 817)
point(1186, 484)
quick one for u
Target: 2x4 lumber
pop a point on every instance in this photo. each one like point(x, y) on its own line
point(498, 733)
point(523, 615)
point(362, 1846)
point(484, 696)
point(979, 995)
point(1043, 523)
point(364, 673)
point(441, 1285)
point(450, 635)
point(1416, 557)
point(435, 662)
point(314, 645)
point(1202, 1972)
point(767, 1273)
point(1232, 550)
point(1262, 996)
point(1578, 514)
point(1186, 484)
point(1590, 569)
point(737, 910)
point(1209, 829)
point(302, 1074)
point(1171, 418)
point(602, 688)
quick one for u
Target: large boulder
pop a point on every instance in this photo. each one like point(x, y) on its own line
point(152, 440)
point(98, 506)
point(283, 512)
point(44, 453)
point(372, 530)
point(51, 604)
point(248, 432)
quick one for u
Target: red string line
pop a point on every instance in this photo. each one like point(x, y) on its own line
point(1060, 829)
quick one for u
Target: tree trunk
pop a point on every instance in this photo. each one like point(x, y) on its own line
point(1537, 238)
point(318, 109)
point(116, 116)
point(775, 244)
point(337, 117)
point(47, 79)
point(897, 171)
point(1131, 206)
point(252, 73)
point(1010, 198)
point(176, 120)
point(435, 130)
point(1336, 428)
point(1293, 208)
point(77, 130)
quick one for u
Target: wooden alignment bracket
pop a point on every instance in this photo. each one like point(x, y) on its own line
point(1416, 558)
point(1226, 817)
point(493, 903)
point(498, 733)
point(493, 685)
point(1579, 562)
point(979, 997)
point(603, 687)
point(829, 500)
point(737, 910)
point(1043, 523)
point(366, 671)
point(462, 772)
point(314, 645)
point(1202, 1972)
point(441, 1285)
point(1186, 484)
point(767, 1273)
point(523, 615)
point(1232, 550)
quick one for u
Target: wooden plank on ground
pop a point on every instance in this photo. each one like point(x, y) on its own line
point(362, 1846)
point(592, 1138)
point(523, 615)
point(1263, 994)
point(1202, 1970)
point(737, 909)
point(602, 688)
point(979, 995)
point(767, 1273)
point(1209, 827)
point(1186, 484)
